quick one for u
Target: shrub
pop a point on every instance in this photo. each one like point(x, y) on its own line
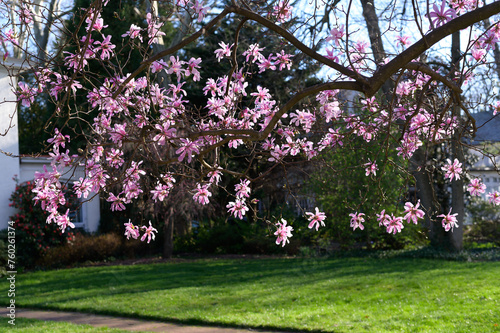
point(34, 237)
point(485, 227)
point(83, 248)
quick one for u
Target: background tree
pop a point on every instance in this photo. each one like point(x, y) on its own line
point(131, 108)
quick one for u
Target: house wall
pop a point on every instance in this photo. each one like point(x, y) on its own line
point(90, 208)
point(9, 139)
point(24, 168)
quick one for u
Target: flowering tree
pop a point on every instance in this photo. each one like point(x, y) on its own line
point(142, 122)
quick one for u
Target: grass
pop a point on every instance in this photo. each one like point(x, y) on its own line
point(24, 325)
point(319, 295)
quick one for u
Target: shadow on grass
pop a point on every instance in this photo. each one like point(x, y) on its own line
point(248, 280)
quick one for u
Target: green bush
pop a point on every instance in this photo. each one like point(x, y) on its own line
point(34, 237)
point(485, 227)
point(232, 237)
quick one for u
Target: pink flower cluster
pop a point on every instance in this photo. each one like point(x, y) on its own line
point(163, 127)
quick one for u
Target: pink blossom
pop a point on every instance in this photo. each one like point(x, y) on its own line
point(58, 139)
point(478, 54)
point(154, 32)
point(371, 168)
point(133, 32)
point(496, 108)
point(25, 94)
point(106, 48)
point(118, 133)
point(26, 15)
point(476, 187)
point(283, 60)
point(453, 170)
point(253, 53)
point(283, 232)
point(243, 189)
point(193, 65)
point(282, 11)
point(215, 176)
point(116, 202)
point(315, 219)
point(449, 221)
point(356, 220)
point(494, 198)
point(148, 233)
point(131, 230)
point(200, 10)
point(267, 63)
point(224, 51)
point(158, 65)
point(202, 194)
point(97, 23)
point(383, 218)
point(114, 157)
point(188, 149)
point(403, 40)
point(394, 224)
point(63, 221)
point(261, 95)
point(336, 34)
point(82, 187)
point(412, 212)
point(441, 15)
point(160, 192)
point(132, 190)
point(238, 208)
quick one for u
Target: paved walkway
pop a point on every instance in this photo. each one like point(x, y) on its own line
point(119, 322)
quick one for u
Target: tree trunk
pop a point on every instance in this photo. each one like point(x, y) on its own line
point(168, 232)
point(457, 186)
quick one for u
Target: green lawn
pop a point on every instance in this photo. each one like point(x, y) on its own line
point(331, 295)
point(24, 325)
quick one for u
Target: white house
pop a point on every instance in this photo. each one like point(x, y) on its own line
point(488, 139)
point(23, 168)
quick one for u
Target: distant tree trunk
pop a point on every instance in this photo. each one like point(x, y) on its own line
point(168, 232)
point(457, 186)
point(439, 238)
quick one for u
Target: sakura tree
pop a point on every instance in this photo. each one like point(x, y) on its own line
point(142, 122)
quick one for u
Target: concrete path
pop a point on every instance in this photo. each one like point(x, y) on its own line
point(119, 322)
